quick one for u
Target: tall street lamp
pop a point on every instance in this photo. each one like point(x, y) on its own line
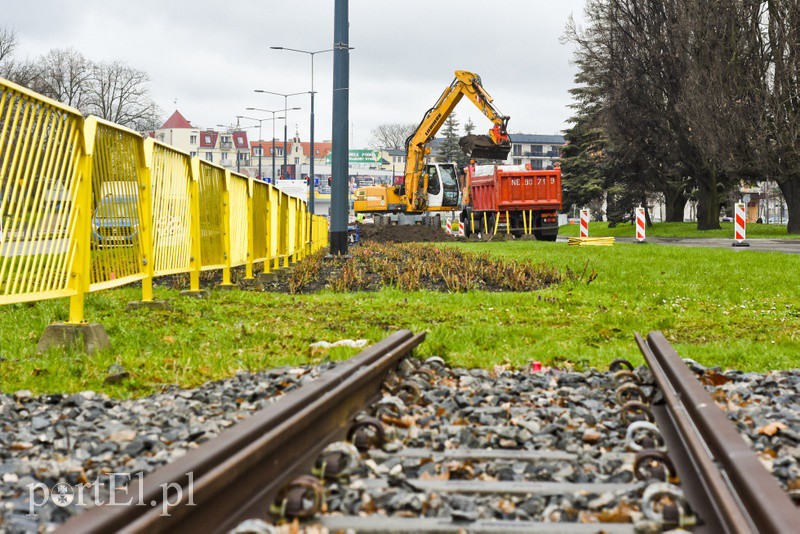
point(273, 135)
point(261, 148)
point(285, 112)
point(313, 154)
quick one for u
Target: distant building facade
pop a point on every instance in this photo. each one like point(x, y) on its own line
point(229, 148)
point(540, 151)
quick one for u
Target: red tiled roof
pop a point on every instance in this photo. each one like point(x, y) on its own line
point(321, 148)
point(239, 139)
point(208, 139)
point(266, 146)
point(176, 120)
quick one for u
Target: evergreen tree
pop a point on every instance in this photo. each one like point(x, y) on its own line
point(469, 127)
point(448, 148)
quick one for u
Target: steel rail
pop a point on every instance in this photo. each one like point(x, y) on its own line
point(723, 480)
point(237, 475)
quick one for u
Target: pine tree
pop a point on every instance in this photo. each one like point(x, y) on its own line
point(448, 148)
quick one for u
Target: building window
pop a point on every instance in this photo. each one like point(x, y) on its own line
point(536, 165)
point(224, 156)
point(517, 150)
point(517, 161)
point(209, 156)
point(193, 154)
point(297, 161)
point(161, 137)
point(193, 139)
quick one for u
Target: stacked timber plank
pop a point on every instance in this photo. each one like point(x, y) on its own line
point(591, 241)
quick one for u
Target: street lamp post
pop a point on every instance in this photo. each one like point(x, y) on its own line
point(311, 135)
point(273, 136)
point(285, 112)
point(261, 148)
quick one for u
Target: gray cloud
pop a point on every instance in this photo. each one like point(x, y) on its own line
point(211, 55)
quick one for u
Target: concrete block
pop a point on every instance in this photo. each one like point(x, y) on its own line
point(225, 287)
point(148, 305)
point(201, 294)
point(267, 278)
point(252, 284)
point(87, 337)
point(528, 237)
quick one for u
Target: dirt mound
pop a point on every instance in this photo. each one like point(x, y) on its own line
point(403, 234)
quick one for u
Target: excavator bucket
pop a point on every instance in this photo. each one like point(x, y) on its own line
point(482, 147)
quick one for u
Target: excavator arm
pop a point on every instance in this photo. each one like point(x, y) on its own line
point(495, 146)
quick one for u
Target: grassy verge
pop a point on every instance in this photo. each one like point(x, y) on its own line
point(681, 229)
point(720, 307)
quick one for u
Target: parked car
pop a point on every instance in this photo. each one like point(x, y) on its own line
point(115, 221)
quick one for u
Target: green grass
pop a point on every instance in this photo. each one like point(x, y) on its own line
point(732, 308)
point(680, 229)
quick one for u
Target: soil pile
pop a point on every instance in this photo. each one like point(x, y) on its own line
point(403, 234)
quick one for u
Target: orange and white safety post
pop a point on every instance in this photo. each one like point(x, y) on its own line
point(640, 223)
point(584, 223)
point(739, 226)
point(461, 229)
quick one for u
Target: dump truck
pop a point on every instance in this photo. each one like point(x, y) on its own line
point(513, 199)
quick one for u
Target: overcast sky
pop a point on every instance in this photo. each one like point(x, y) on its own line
point(211, 55)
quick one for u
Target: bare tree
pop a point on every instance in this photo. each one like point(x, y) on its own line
point(391, 135)
point(65, 75)
point(8, 42)
point(119, 93)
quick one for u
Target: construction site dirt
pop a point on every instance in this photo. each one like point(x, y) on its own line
point(403, 234)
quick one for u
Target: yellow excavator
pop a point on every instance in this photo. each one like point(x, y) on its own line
point(431, 187)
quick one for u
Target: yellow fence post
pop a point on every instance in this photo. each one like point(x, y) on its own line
point(270, 194)
point(251, 252)
point(226, 231)
point(83, 227)
point(276, 226)
point(195, 262)
point(146, 219)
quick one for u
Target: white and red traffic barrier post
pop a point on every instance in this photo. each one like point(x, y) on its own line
point(739, 226)
point(584, 223)
point(461, 232)
point(640, 223)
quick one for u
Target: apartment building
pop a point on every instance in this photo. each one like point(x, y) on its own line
point(229, 148)
point(540, 151)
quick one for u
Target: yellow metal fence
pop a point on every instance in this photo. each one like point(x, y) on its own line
point(87, 205)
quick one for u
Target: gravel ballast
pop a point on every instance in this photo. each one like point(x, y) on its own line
point(81, 438)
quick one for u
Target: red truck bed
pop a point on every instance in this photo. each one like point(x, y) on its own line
point(511, 189)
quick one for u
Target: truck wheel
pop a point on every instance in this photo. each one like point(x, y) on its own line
point(545, 234)
point(516, 225)
point(490, 218)
point(464, 218)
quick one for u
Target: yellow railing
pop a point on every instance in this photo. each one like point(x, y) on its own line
point(87, 205)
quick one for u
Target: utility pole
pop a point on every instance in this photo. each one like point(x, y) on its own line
point(340, 205)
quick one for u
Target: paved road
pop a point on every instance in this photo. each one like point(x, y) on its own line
point(788, 246)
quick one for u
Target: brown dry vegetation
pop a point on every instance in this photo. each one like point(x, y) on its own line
point(413, 266)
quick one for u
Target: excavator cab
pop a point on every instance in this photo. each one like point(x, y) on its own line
point(443, 188)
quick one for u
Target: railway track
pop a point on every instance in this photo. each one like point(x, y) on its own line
point(386, 444)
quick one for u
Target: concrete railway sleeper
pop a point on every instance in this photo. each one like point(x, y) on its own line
point(386, 444)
